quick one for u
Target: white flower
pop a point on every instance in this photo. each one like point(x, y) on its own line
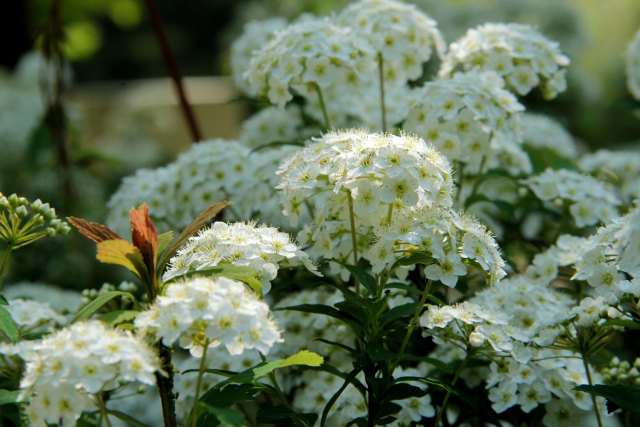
point(446, 270)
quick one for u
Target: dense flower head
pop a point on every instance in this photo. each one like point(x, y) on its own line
point(589, 200)
point(259, 247)
point(29, 314)
point(542, 131)
point(471, 119)
point(255, 34)
point(211, 171)
point(202, 312)
point(402, 33)
point(377, 173)
point(308, 53)
point(633, 66)
point(62, 369)
point(522, 56)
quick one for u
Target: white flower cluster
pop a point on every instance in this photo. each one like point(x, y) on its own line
point(540, 131)
point(273, 124)
point(211, 171)
point(449, 237)
point(30, 315)
point(86, 358)
point(621, 372)
point(255, 34)
point(207, 313)
point(260, 247)
point(633, 66)
point(471, 119)
point(61, 300)
point(402, 33)
point(517, 52)
point(378, 174)
point(589, 200)
point(468, 323)
point(308, 54)
point(549, 377)
point(621, 168)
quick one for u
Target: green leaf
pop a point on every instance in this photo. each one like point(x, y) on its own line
point(9, 396)
point(545, 157)
point(626, 323)
point(126, 418)
point(403, 286)
point(245, 274)
point(229, 395)
point(405, 310)
point(323, 309)
point(303, 357)
point(227, 417)
point(32, 336)
point(441, 384)
point(367, 280)
point(164, 240)
point(87, 310)
point(119, 316)
point(504, 206)
point(8, 326)
point(3, 300)
point(275, 144)
point(627, 397)
point(336, 395)
point(273, 414)
point(413, 258)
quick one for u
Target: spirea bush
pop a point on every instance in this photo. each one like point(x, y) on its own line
point(446, 255)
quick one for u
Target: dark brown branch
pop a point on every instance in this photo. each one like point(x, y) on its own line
point(174, 71)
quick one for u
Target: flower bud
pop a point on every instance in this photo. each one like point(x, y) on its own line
point(475, 339)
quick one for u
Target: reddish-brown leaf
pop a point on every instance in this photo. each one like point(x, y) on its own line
point(93, 230)
point(144, 236)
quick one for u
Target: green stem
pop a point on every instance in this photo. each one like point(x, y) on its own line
point(381, 77)
point(103, 408)
point(282, 397)
point(354, 241)
point(198, 384)
point(327, 123)
point(593, 396)
point(442, 409)
point(5, 256)
point(416, 315)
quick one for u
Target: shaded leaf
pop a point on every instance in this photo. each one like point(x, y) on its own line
point(125, 417)
point(336, 395)
point(3, 300)
point(441, 384)
point(121, 252)
point(626, 323)
point(119, 316)
point(190, 230)
point(272, 414)
point(227, 417)
point(367, 280)
point(504, 206)
point(87, 310)
point(8, 326)
point(94, 230)
point(32, 336)
point(627, 397)
point(327, 311)
point(9, 396)
point(229, 395)
point(164, 240)
point(404, 310)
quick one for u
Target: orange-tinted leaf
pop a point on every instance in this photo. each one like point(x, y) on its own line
point(93, 230)
point(190, 230)
point(121, 252)
point(144, 236)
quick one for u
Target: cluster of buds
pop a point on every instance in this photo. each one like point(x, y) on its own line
point(622, 372)
point(23, 222)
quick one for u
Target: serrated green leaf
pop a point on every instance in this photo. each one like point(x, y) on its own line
point(303, 357)
point(404, 310)
point(9, 396)
point(627, 397)
point(119, 316)
point(87, 310)
point(367, 280)
point(7, 326)
point(227, 417)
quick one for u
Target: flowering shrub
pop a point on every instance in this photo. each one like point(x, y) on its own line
point(446, 256)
